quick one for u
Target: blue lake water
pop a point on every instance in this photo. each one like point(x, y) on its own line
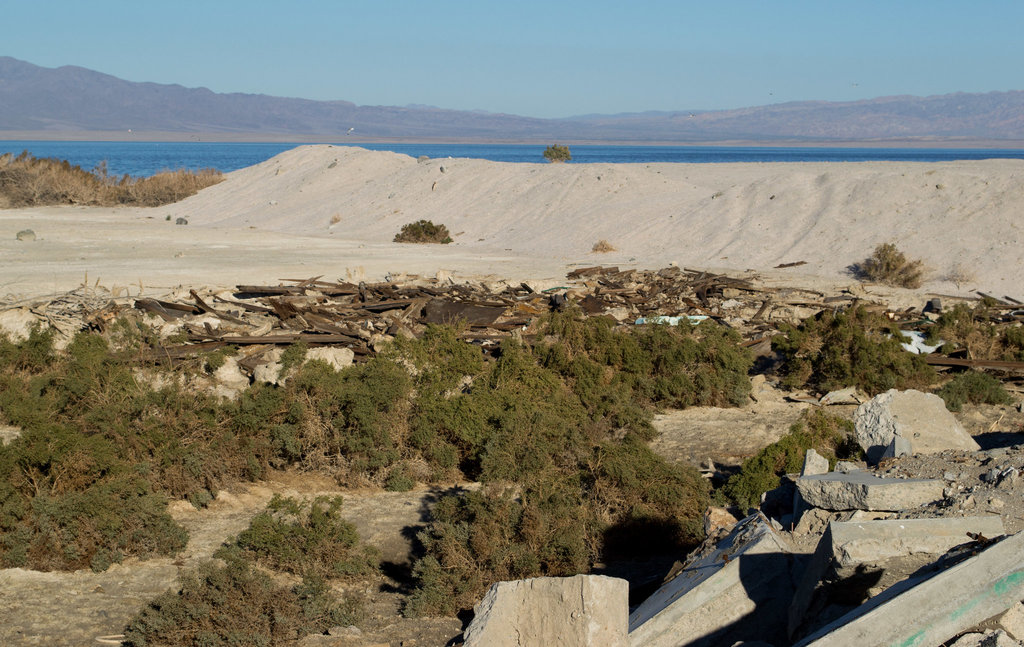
point(146, 158)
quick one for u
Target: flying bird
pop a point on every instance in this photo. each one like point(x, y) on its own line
point(350, 130)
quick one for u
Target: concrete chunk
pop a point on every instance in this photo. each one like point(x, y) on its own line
point(898, 446)
point(735, 590)
point(337, 357)
point(864, 491)
point(579, 611)
point(920, 418)
point(931, 610)
point(858, 542)
point(1013, 621)
point(853, 556)
point(814, 463)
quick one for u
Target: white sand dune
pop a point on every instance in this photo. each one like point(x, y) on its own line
point(537, 219)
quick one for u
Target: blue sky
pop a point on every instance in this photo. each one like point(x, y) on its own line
point(536, 58)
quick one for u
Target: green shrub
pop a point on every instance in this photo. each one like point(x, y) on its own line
point(620, 374)
point(423, 231)
point(557, 153)
point(305, 538)
point(835, 350)
point(358, 414)
point(829, 435)
point(974, 387)
point(889, 266)
point(971, 329)
point(234, 605)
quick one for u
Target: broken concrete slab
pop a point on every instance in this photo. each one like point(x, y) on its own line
point(853, 557)
point(997, 638)
point(733, 590)
point(1012, 622)
point(814, 463)
point(17, 323)
point(716, 518)
point(865, 491)
point(921, 418)
point(229, 380)
point(336, 357)
point(898, 446)
point(8, 434)
point(579, 611)
point(858, 542)
point(929, 610)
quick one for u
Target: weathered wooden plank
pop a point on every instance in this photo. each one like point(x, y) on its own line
point(162, 310)
point(940, 360)
point(438, 311)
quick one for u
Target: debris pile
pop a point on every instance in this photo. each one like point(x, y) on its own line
point(919, 549)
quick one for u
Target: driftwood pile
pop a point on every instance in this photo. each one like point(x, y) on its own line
point(361, 316)
point(256, 318)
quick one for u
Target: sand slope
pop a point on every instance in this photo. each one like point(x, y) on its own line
point(719, 215)
point(333, 211)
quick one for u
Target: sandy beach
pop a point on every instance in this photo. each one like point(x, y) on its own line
point(333, 211)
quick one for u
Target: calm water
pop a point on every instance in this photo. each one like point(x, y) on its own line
point(146, 158)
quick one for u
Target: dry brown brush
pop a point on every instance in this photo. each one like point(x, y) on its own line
point(28, 181)
point(890, 266)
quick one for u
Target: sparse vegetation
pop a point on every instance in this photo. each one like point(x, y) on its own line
point(557, 153)
point(960, 275)
point(970, 329)
point(829, 435)
point(557, 433)
point(603, 247)
point(555, 428)
point(890, 266)
point(423, 231)
point(309, 538)
point(974, 387)
point(29, 181)
point(855, 347)
point(236, 604)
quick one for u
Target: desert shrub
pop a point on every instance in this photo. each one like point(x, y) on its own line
point(827, 434)
point(72, 494)
point(561, 417)
point(101, 451)
point(890, 266)
point(622, 501)
point(69, 502)
point(561, 490)
point(855, 347)
point(234, 604)
point(654, 365)
point(557, 153)
point(602, 247)
point(358, 414)
point(974, 387)
point(305, 538)
point(971, 329)
point(165, 187)
point(423, 231)
point(29, 181)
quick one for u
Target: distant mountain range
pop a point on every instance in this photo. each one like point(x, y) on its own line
point(71, 99)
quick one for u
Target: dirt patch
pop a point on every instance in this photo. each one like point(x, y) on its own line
point(73, 609)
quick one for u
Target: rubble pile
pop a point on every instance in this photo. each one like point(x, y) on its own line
point(925, 548)
point(921, 545)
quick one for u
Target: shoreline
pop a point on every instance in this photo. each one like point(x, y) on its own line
point(338, 138)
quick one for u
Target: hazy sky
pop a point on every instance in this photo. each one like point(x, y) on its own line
point(547, 58)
